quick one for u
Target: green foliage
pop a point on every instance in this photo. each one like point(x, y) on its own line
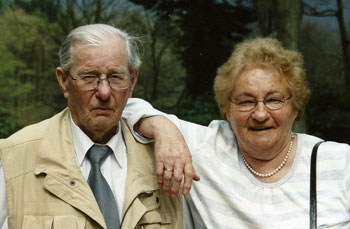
point(43, 8)
point(69, 14)
point(200, 35)
point(4, 4)
point(7, 123)
point(202, 110)
point(183, 44)
point(323, 60)
point(328, 112)
point(161, 76)
point(27, 66)
point(209, 30)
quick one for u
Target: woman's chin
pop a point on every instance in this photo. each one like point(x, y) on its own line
point(263, 140)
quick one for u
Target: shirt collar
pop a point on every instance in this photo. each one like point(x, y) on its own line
point(82, 143)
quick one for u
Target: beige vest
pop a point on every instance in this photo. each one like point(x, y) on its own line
point(46, 189)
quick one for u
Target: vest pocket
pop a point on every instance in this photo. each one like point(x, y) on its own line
point(155, 220)
point(65, 222)
point(154, 226)
point(37, 222)
point(156, 216)
point(56, 222)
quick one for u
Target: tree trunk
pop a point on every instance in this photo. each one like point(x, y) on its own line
point(280, 19)
point(345, 43)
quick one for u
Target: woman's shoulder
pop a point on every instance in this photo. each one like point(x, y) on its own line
point(306, 138)
point(221, 128)
point(336, 147)
point(220, 125)
point(217, 135)
point(327, 149)
point(312, 140)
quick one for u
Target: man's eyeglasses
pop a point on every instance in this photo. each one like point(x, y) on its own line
point(272, 102)
point(89, 82)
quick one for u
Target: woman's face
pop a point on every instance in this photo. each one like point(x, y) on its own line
point(261, 130)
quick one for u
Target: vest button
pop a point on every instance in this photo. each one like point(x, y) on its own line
point(72, 182)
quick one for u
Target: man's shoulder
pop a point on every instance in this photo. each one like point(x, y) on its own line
point(22, 147)
point(31, 133)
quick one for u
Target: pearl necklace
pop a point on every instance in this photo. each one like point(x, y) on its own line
point(265, 175)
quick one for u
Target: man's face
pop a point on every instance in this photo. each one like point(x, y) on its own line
point(97, 112)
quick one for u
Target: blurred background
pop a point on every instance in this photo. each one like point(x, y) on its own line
point(183, 43)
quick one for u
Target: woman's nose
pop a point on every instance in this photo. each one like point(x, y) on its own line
point(260, 112)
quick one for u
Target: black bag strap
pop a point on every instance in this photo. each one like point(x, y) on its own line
point(313, 195)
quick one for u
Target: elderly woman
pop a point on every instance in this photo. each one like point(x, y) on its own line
point(255, 172)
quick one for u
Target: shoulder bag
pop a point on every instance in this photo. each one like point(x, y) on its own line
point(313, 195)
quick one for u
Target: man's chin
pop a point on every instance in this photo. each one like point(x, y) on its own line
point(104, 122)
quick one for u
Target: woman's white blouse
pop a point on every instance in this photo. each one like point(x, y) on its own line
point(229, 196)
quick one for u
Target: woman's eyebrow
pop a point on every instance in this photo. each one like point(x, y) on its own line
point(244, 94)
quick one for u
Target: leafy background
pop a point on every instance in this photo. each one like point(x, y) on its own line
point(183, 43)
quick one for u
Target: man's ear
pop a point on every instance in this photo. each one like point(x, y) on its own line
point(134, 80)
point(62, 78)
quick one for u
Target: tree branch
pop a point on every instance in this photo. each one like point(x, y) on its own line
point(312, 11)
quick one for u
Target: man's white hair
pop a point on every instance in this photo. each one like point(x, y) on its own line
point(95, 34)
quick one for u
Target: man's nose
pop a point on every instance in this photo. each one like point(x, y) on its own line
point(103, 90)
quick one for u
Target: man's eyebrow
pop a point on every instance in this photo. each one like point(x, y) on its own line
point(118, 70)
point(87, 70)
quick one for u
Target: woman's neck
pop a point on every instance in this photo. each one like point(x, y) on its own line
point(267, 170)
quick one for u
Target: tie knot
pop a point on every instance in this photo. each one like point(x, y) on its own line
point(98, 153)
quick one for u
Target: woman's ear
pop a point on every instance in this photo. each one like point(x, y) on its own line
point(298, 116)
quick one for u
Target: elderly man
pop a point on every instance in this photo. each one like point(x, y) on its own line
point(82, 168)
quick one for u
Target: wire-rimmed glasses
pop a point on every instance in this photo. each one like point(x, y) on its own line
point(271, 102)
point(89, 82)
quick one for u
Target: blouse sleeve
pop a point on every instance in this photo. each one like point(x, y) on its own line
point(3, 199)
point(139, 108)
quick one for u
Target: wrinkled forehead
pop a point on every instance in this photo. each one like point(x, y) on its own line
point(106, 52)
point(259, 77)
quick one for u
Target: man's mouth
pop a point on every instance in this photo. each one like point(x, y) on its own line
point(260, 128)
point(102, 111)
point(101, 108)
